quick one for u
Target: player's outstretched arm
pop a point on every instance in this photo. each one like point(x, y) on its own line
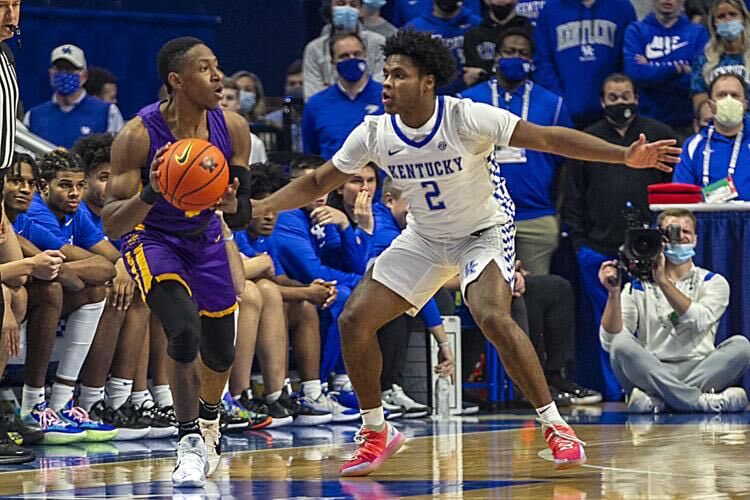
point(124, 207)
point(302, 191)
point(582, 146)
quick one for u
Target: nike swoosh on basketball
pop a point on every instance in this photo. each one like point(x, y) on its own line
point(394, 151)
point(181, 159)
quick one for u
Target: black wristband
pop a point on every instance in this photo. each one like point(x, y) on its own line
point(149, 196)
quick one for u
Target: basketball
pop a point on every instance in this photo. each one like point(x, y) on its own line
point(193, 175)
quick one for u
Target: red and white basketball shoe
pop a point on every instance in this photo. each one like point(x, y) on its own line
point(567, 449)
point(373, 448)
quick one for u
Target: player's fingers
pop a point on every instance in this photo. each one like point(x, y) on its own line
point(669, 158)
point(665, 142)
point(664, 168)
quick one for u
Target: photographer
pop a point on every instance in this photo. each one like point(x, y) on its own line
point(660, 336)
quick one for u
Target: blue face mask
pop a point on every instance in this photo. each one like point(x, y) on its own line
point(247, 101)
point(730, 30)
point(679, 253)
point(345, 17)
point(514, 69)
point(65, 83)
point(373, 4)
point(352, 69)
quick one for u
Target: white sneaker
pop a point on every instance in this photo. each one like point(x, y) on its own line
point(733, 399)
point(212, 438)
point(392, 412)
point(192, 462)
point(329, 403)
point(640, 402)
point(396, 396)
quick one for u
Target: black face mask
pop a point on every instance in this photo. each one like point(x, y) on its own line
point(502, 11)
point(620, 113)
point(448, 6)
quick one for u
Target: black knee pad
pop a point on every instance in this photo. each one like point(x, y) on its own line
point(171, 303)
point(217, 346)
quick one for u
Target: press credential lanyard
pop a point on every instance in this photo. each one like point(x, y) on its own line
point(525, 102)
point(707, 153)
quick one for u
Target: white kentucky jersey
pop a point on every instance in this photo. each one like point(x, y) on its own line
point(445, 169)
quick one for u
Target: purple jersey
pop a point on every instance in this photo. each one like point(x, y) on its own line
point(163, 216)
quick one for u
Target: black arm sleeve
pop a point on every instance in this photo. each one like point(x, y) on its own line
point(241, 218)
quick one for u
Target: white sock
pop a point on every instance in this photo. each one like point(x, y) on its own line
point(140, 397)
point(60, 396)
point(373, 418)
point(312, 388)
point(162, 396)
point(118, 391)
point(339, 381)
point(288, 386)
point(550, 414)
point(273, 397)
point(89, 396)
point(30, 397)
point(80, 328)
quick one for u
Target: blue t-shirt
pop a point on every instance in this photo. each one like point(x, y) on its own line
point(400, 12)
point(251, 247)
point(531, 183)
point(728, 64)
point(84, 207)
point(33, 232)
point(690, 168)
point(77, 229)
point(330, 116)
point(452, 32)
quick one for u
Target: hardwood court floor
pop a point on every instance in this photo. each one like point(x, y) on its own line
point(663, 456)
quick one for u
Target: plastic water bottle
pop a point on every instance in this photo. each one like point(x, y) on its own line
point(443, 397)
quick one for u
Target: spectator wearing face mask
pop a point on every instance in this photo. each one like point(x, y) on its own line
point(342, 16)
point(332, 114)
point(373, 21)
point(721, 149)
point(595, 196)
point(534, 195)
point(230, 101)
point(658, 53)
point(449, 21)
point(727, 50)
point(251, 95)
point(479, 42)
point(72, 112)
point(401, 12)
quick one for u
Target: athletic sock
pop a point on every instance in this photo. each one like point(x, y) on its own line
point(312, 388)
point(373, 418)
point(188, 427)
point(339, 381)
point(89, 396)
point(273, 397)
point(209, 411)
point(118, 391)
point(140, 397)
point(60, 396)
point(162, 395)
point(550, 414)
point(30, 397)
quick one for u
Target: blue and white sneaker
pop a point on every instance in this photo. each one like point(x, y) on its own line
point(95, 430)
point(56, 430)
point(329, 403)
point(302, 412)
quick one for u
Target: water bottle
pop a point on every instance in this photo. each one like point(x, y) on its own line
point(443, 397)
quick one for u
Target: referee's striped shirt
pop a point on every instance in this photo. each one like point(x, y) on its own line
point(8, 105)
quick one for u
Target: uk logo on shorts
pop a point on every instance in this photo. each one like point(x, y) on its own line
point(470, 268)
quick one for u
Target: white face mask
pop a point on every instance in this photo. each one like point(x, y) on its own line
point(729, 111)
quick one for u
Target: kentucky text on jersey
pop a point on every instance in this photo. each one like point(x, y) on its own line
point(426, 169)
point(588, 32)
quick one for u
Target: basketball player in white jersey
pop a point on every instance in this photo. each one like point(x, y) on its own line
point(439, 152)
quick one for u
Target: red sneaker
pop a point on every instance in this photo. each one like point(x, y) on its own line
point(567, 449)
point(373, 448)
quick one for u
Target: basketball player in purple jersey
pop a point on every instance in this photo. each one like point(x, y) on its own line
point(179, 259)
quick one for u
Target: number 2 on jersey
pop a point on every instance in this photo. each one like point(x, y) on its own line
point(432, 195)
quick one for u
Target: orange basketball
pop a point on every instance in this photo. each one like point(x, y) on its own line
point(193, 175)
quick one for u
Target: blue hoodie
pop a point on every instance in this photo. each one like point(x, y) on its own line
point(452, 32)
point(663, 92)
point(573, 60)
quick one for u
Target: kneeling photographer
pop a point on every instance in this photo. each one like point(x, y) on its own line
point(659, 330)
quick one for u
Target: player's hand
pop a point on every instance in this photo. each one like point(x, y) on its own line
point(69, 280)
point(653, 154)
point(363, 212)
point(446, 366)
point(658, 271)
point(46, 265)
point(269, 270)
point(123, 288)
point(519, 288)
point(153, 176)
point(609, 276)
point(318, 293)
point(228, 202)
point(329, 215)
point(11, 334)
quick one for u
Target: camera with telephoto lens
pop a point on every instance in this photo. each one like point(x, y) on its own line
point(642, 246)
